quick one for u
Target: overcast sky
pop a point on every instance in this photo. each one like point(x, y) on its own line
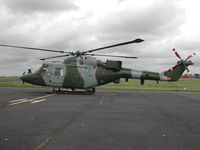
point(86, 24)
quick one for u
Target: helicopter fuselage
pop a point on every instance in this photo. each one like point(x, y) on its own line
point(75, 72)
point(84, 72)
point(88, 72)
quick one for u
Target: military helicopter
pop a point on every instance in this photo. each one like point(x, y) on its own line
point(81, 71)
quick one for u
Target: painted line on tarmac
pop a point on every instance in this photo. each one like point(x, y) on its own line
point(101, 100)
point(44, 143)
point(17, 100)
point(30, 100)
point(37, 101)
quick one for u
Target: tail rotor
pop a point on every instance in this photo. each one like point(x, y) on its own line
point(185, 62)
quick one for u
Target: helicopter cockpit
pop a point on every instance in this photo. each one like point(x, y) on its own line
point(53, 72)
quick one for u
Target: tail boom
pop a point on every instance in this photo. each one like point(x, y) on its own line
point(169, 75)
point(172, 74)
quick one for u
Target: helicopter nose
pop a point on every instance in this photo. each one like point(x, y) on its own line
point(26, 78)
point(22, 78)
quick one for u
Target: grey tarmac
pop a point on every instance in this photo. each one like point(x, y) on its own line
point(34, 119)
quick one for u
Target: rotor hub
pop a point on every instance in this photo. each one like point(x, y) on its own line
point(78, 53)
point(187, 63)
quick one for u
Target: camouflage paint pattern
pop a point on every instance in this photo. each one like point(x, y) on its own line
point(88, 72)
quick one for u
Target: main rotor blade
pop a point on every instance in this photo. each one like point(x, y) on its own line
point(33, 48)
point(115, 45)
point(111, 56)
point(54, 57)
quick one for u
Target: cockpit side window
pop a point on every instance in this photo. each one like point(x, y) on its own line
point(45, 70)
point(59, 72)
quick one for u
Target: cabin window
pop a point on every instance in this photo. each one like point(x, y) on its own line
point(59, 72)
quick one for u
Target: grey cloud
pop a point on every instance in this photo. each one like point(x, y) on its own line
point(156, 24)
point(29, 6)
point(189, 44)
point(157, 20)
point(121, 0)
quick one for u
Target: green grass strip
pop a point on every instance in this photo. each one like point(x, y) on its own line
point(192, 85)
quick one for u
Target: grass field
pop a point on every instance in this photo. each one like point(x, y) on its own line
point(14, 82)
point(8, 78)
point(133, 84)
point(180, 85)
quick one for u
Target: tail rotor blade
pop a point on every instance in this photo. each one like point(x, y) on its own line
point(173, 68)
point(176, 53)
point(193, 54)
point(188, 70)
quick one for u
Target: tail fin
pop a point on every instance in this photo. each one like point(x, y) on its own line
point(176, 72)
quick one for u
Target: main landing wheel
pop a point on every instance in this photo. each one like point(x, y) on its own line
point(90, 91)
point(55, 91)
point(93, 90)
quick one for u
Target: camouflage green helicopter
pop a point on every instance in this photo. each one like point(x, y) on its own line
point(81, 71)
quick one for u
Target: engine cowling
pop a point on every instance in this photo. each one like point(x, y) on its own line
point(113, 65)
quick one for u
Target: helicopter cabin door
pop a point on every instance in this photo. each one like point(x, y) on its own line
point(57, 74)
point(77, 76)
